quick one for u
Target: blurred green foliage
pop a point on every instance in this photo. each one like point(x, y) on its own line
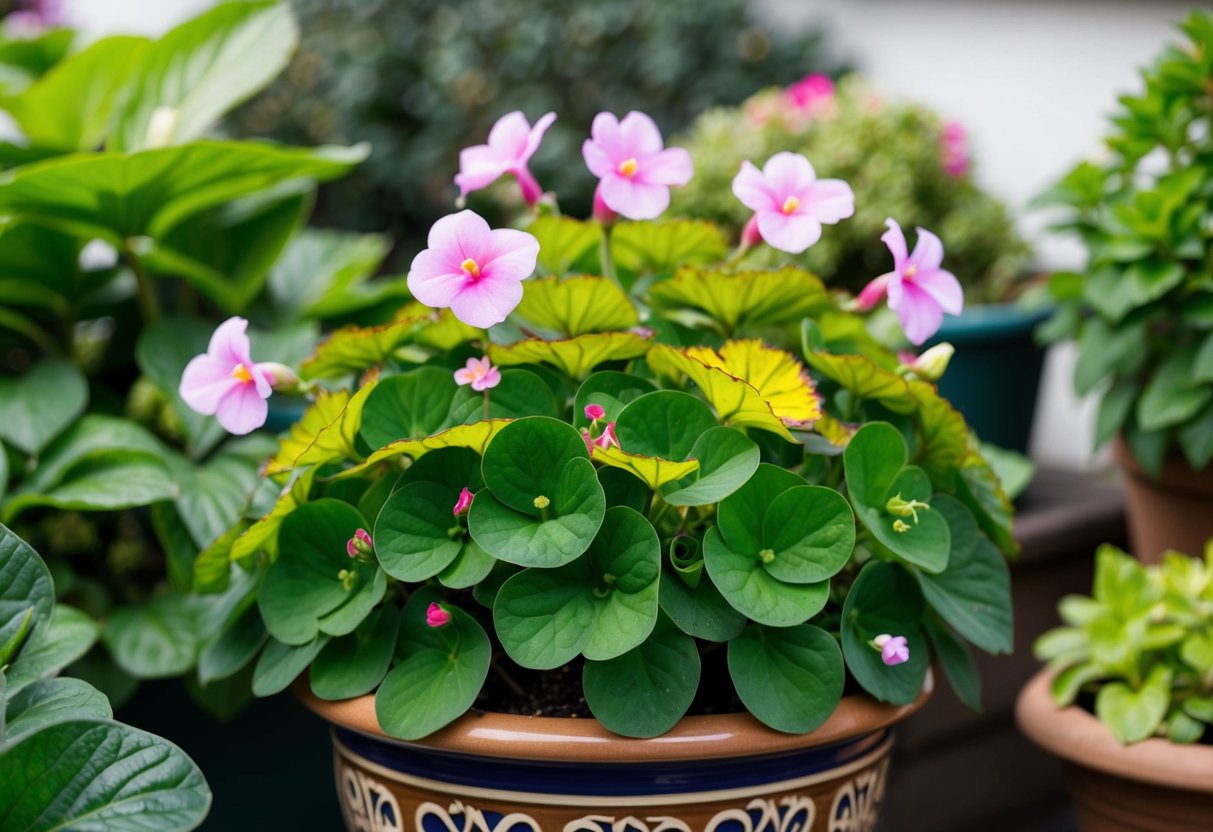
point(892, 154)
point(421, 79)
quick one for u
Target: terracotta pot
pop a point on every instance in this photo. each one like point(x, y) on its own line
point(1151, 786)
point(1174, 511)
point(505, 773)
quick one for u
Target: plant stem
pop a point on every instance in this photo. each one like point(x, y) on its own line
point(608, 262)
point(148, 303)
point(507, 678)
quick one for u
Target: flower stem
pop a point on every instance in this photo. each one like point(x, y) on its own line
point(148, 303)
point(608, 262)
point(486, 404)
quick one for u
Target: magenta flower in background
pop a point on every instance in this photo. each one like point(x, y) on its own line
point(810, 91)
point(436, 616)
point(919, 290)
point(463, 503)
point(594, 412)
point(475, 270)
point(789, 202)
point(479, 373)
point(225, 382)
point(35, 17)
point(894, 650)
point(512, 143)
point(954, 149)
point(607, 439)
point(634, 168)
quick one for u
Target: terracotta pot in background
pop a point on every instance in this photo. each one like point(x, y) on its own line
point(1151, 786)
point(1174, 511)
point(508, 773)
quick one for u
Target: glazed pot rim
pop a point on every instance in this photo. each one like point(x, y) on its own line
point(568, 739)
point(1077, 736)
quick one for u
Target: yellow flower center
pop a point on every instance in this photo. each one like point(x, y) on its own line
point(241, 372)
point(627, 168)
point(469, 266)
point(910, 271)
point(790, 204)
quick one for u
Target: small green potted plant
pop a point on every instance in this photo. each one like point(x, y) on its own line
point(903, 160)
point(641, 507)
point(1142, 309)
point(1127, 698)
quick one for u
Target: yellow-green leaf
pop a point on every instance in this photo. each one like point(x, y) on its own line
point(440, 329)
point(733, 301)
point(353, 349)
point(476, 436)
point(661, 247)
point(865, 380)
point(654, 471)
point(778, 377)
point(573, 356)
point(264, 532)
point(326, 433)
point(576, 305)
point(562, 242)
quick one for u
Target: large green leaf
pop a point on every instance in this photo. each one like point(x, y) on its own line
point(36, 407)
point(280, 664)
point(91, 774)
point(885, 601)
point(727, 459)
point(790, 678)
point(323, 273)
point(751, 590)
point(154, 640)
point(416, 534)
point(412, 405)
point(27, 595)
point(644, 692)
point(519, 393)
point(699, 611)
point(122, 196)
point(236, 645)
point(664, 424)
point(1172, 396)
point(742, 300)
point(104, 480)
point(355, 664)
point(213, 495)
point(610, 390)
point(50, 702)
point(203, 68)
point(70, 635)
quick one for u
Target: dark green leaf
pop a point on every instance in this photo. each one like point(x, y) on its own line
point(790, 678)
point(884, 600)
point(355, 664)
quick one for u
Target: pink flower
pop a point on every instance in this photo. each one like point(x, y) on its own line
point(919, 290)
point(594, 412)
point(953, 149)
point(810, 90)
point(359, 544)
point(790, 202)
point(750, 235)
point(479, 373)
point(512, 143)
point(607, 438)
point(475, 270)
point(436, 616)
point(463, 503)
point(602, 213)
point(224, 381)
point(634, 170)
point(894, 650)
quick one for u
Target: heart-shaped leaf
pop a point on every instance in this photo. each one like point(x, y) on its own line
point(36, 407)
point(700, 611)
point(611, 391)
point(644, 692)
point(519, 393)
point(790, 678)
point(740, 516)
point(753, 591)
point(1134, 715)
point(417, 535)
point(727, 459)
point(663, 424)
point(356, 663)
point(884, 600)
point(412, 405)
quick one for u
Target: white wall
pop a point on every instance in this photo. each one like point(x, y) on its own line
point(149, 17)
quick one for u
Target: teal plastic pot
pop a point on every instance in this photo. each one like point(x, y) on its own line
point(994, 378)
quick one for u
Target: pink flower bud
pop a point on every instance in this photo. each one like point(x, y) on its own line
point(359, 545)
point(607, 438)
point(436, 616)
point(750, 235)
point(350, 548)
point(594, 412)
point(463, 503)
point(894, 650)
point(602, 213)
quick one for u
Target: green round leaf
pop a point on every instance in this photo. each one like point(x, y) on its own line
point(302, 593)
point(280, 664)
point(527, 459)
point(611, 390)
point(439, 676)
point(353, 665)
point(455, 468)
point(644, 692)
point(119, 779)
point(811, 531)
point(412, 536)
point(727, 459)
point(790, 678)
point(471, 567)
point(751, 590)
point(519, 393)
point(957, 661)
point(575, 511)
point(664, 424)
point(885, 599)
point(408, 406)
point(740, 515)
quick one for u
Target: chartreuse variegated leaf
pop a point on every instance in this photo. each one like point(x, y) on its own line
point(574, 357)
point(118, 778)
point(884, 601)
point(564, 242)
point(440, 674)
point(202, 69)
point(731, 302)
point(943, 436)
point(315, 586)
point(576, 305)
point(417, 536)
point(356, 663)
point(610, 390)
point(864, 379)
point(601, 605)
point(893, 500)
point(36, 407)
point(644, 692)
point(973, 594)
point(440, 329)
point(519, 393)
point(328, 432)
point(727, 458)
point(661, 247)
point(411, 405)
point(475, 436)
point(790, 678)
point(654, 472)
point(543, 503)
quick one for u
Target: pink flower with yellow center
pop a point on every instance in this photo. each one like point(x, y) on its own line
point(919, 291)
point(479, 373)
point(512, 143)
point(436, 616)
point(789, 202)
point(226, 383)
point(634, 168)
point(475, 270)
point(463, 503)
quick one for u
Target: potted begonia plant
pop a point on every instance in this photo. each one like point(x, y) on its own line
point(642, 507)
point(1127, 698)
point(904, 160)
point(1142, 309)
